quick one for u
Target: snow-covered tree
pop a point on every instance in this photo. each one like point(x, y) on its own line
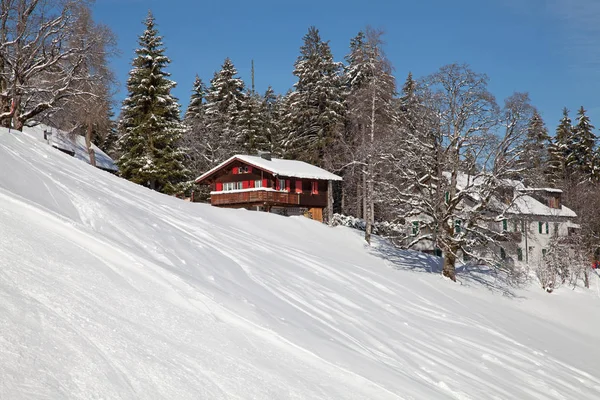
point(150, 126)
point(224, 102)
point(252, 133)
point(270, 113)
point(534, 157)
point(464, 130)
point(580, 159)
point(559, 149)
point(316, 108)
point(43, 52)
point(195, 136)
point(370, 113)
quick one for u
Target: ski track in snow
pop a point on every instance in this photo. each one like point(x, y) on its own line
point(109, 290)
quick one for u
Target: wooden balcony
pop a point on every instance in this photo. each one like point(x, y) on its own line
point(268, 197)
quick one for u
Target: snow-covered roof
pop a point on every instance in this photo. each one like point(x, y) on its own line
point(527, 205)
point(523, 204)
point(278, 166)
point(72, 143)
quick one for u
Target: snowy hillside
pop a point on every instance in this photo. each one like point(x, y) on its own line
point(109, 290)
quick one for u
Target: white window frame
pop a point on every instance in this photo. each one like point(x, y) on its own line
point(258, 183)
point(282, 185)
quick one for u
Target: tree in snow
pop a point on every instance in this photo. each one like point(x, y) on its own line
point(315, 106)
point(580, 159)
point(534, 158)
point(150, 125)
point(251, 129)
point(565, 262)
point(559, 150)
point(464, 131)
point(224, 102)
point(195, 136)
point(272, 138)
point(42, 55)
point(370, 112)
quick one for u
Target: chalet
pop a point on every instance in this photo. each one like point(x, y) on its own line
point(269, 184)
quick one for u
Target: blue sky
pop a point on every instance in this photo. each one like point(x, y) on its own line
point(549, 48)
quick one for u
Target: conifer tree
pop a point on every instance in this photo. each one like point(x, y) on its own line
point(195, 109)
point(559, 149)
point(223, 107)
point(250, 124)
point(150, 125)
point(270, 114)
point(195, 137)
point(581, 156)
point(533, 161)
point(316, 108)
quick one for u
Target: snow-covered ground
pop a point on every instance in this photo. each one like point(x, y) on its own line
point(111, 291)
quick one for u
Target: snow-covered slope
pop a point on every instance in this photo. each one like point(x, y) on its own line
point(109, 290)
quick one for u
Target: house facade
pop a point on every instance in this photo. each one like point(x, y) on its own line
point(532, 218)
point(264, 183)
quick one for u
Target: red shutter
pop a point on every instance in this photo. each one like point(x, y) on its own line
point(251, 184)
point(249, 169)
point(315, 187)
point(277, 184)
point(245, 184)
point(235, 170)
point(264, 183)
point(298, 186)
point(219, 187)
point(287, 185)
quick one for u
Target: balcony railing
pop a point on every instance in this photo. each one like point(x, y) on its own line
point(268, 197)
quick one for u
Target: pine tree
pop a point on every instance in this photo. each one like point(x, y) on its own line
point(316, 108)
point(533, 160)
point(270, 114)
point(559, 149)
point(581, 157)
point(223, 107)
point(251, 124)
point(150, 124)
point(195, 109)
point(195, 137)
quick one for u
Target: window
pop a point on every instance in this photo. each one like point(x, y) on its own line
point(540, 226)
point(438, 252)
point(547, 228)
point(516, 226)
point(520, 254)
point(314, 187)
point(457, 226)
point(258, 183)
point(280, 184)
point(415, 227)
point(522, 225)
point(556, 229)
point(242, 170)
point(447, 197)
point(544, 251)
point(502, 253)
point(227, 186)
point(505, 225)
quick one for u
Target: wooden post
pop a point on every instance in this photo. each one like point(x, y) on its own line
point(329, 202)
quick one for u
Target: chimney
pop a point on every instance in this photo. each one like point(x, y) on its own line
point(265, 154)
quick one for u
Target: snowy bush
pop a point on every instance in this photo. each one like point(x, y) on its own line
point(564, 263)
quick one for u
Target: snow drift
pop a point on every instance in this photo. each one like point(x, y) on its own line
point(109, 290)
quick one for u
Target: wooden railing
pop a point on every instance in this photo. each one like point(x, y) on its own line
point(269, 197)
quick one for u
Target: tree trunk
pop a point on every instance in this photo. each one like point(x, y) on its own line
point(88, 145)
point(449, 270)
point(329, 202)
